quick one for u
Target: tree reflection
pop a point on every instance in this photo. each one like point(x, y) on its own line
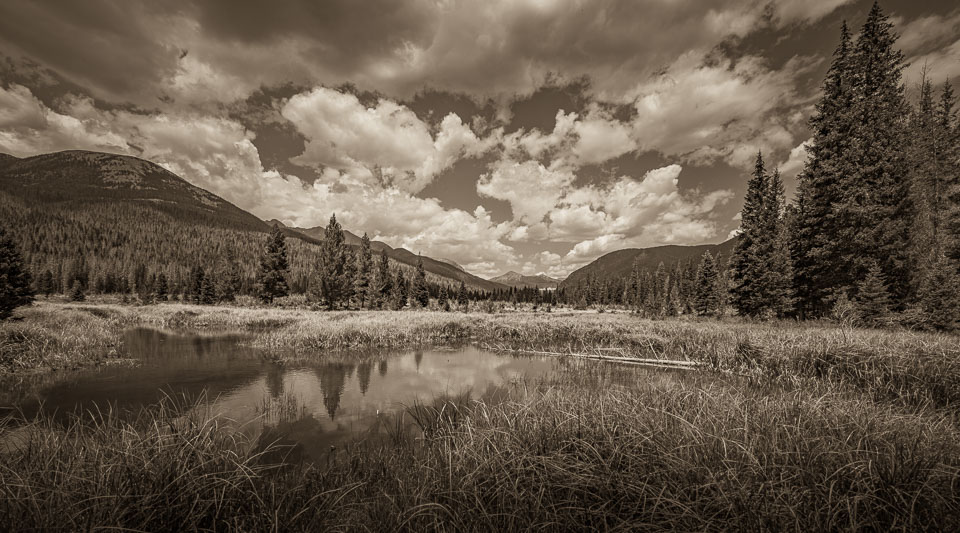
point(363, 376)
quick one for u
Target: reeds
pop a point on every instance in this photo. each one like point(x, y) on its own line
point(562, 455)
point(900, 365)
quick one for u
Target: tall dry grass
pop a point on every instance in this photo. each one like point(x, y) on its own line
point(913, 367)
point(671, 454)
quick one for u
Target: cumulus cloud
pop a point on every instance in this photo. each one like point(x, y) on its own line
point(797, 159)
point(532, 189)
point(919, 34)
point(647, 211)
point(386, 143)
point(722, 111)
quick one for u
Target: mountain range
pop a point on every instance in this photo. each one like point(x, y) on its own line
point(97, 205)
point(520, 281)
point(114, 212)
point(619, 264)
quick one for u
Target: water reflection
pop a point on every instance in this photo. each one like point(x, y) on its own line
point(308, 406)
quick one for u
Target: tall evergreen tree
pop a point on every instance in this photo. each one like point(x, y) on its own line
point(271, 281)
point(364, 272)
point(162, 290)
point(384, 287)
point(949, 129)
point(400, 291)
point(778, 277)
point(706, 301)
point(208, 292)
point(463, 302)
point(815, 244)
point(331, 280)
point(855, 205)
point(754, 246)
point(875, 208)
point(197, 279)
point(15, 280)
point(939, 298)
point(761, 264)
point(443, 301)
point(873, 301)
point(419, 291)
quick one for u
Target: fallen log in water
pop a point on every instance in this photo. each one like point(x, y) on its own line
point(665, 363)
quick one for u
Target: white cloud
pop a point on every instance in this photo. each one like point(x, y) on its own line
point(797, 159)
point(531, 188)
point(600, 138)
point(385, 144)
point(941, 64)
point(804, 11)
point(704, 112)
point(923, 32)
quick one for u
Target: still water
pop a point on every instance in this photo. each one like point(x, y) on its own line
point(312, 405)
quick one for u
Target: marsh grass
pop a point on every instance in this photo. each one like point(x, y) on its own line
point(798, 426)
point(559, 455)
point(899, 365)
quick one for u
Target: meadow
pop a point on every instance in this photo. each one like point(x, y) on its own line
point(781, 425)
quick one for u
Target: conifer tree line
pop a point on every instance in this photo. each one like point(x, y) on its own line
point(876, 219)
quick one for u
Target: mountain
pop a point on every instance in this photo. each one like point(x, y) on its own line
point(77, 176)
point(6, 159)
point(450, 262)
point(619, 264)
point(439, 267)
point(515, 279)
point(103, 218)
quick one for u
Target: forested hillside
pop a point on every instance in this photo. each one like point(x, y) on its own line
point(113, 223)
point(620, 264)
point(437, 267)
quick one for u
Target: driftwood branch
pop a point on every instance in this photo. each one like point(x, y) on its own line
point(666, 363)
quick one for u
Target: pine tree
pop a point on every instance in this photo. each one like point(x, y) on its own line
point(418, 289)
point(45, 284)
point(706, 300)
point(761, 266)
point(949, 129)
point(463, 302)
point(753, 249)
point(778, 277)
point(384, 288)
point(875, 208)
point(197, 279)
point(331, 280)
point(443, 301)
point(399, 291)
point(873, 301)
point(15, 280)
point(939, 298)
point(364, 272)
point(161, 290)
point(271, 281)
point(76, 292)
point(815, 244)
point(208, 292)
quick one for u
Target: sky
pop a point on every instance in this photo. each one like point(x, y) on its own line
point(525, 135)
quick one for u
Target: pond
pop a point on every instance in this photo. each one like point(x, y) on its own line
point(311, 404)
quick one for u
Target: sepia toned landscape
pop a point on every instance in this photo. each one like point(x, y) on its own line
point(391, 266)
